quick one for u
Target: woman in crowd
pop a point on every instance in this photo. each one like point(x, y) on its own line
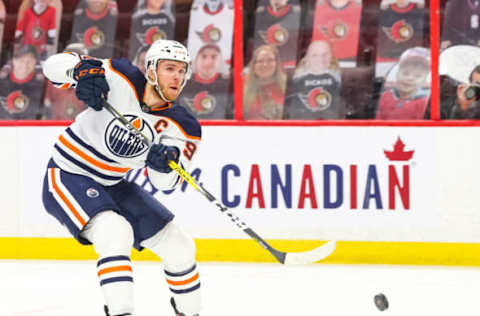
point(315, 90)
point(264, 87)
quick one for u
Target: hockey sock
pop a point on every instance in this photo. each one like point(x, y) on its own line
point(185, 287)
point(116, 281)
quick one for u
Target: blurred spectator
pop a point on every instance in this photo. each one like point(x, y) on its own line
point(57, 5)
point(278, 23)
point(2, 22)
point(21, 86)
point(61, 103)
point(264, 85)
point(151, 20)
point(466, 102)
point(407, 97)
point(38, 27)
point(208, 95)
point(461, 24)
point(315, 93)
point(338, 21)
point(211, 22)
point(94, 25)
point(139, 59)
point(401, 26)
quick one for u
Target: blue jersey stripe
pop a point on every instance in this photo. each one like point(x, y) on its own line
point(178, 274)
point(110, 259)
point(90, 148)
point(117, 279)
point(85, 167)
point(193, 288)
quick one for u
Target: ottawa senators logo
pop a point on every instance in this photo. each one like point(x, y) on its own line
point(340, 30)
point(210, 34)
point(37, 33)
point(317, 99)
point(202, 103)
point(15, 102)
point(93, 38)
point(400, 31)
point(275, 35)
point(151, 35)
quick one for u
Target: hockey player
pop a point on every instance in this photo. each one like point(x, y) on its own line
point(84, 187)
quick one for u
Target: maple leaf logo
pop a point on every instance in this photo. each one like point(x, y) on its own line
point(399, 153)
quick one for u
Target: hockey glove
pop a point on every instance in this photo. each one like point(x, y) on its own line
point(92, 87)
point(159, 156)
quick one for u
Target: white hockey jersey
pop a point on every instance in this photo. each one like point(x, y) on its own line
point(206, 27)
point(100, 147)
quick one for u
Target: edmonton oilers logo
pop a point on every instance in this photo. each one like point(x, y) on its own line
point(92, 193)
point(123, 143)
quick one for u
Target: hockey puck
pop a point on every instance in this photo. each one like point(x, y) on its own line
point(381, 302)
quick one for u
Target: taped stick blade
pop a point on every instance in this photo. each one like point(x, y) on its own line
point(311, 256)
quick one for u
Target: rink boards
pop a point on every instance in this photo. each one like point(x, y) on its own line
point(405, 195)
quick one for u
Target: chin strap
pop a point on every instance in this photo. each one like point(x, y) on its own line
point(159, 91)
point(154, 83)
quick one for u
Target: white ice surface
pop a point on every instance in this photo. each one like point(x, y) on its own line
point(58, 288)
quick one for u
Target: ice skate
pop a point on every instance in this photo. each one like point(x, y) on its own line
point(177, 313)
point(105, 308)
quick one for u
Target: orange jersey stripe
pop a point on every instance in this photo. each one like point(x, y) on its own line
point(90, 159)
point(162, 108)
point(114, 269)
point(64, 198)
point(195, 277)
point(123, 76)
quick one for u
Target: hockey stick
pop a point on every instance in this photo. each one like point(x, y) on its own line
point(288, 258)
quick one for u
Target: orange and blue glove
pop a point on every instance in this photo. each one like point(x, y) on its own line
point(92, 87)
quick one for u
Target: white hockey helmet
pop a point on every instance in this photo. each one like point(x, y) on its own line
point(166, 50)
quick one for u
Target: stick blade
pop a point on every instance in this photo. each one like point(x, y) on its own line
point(311, 256)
